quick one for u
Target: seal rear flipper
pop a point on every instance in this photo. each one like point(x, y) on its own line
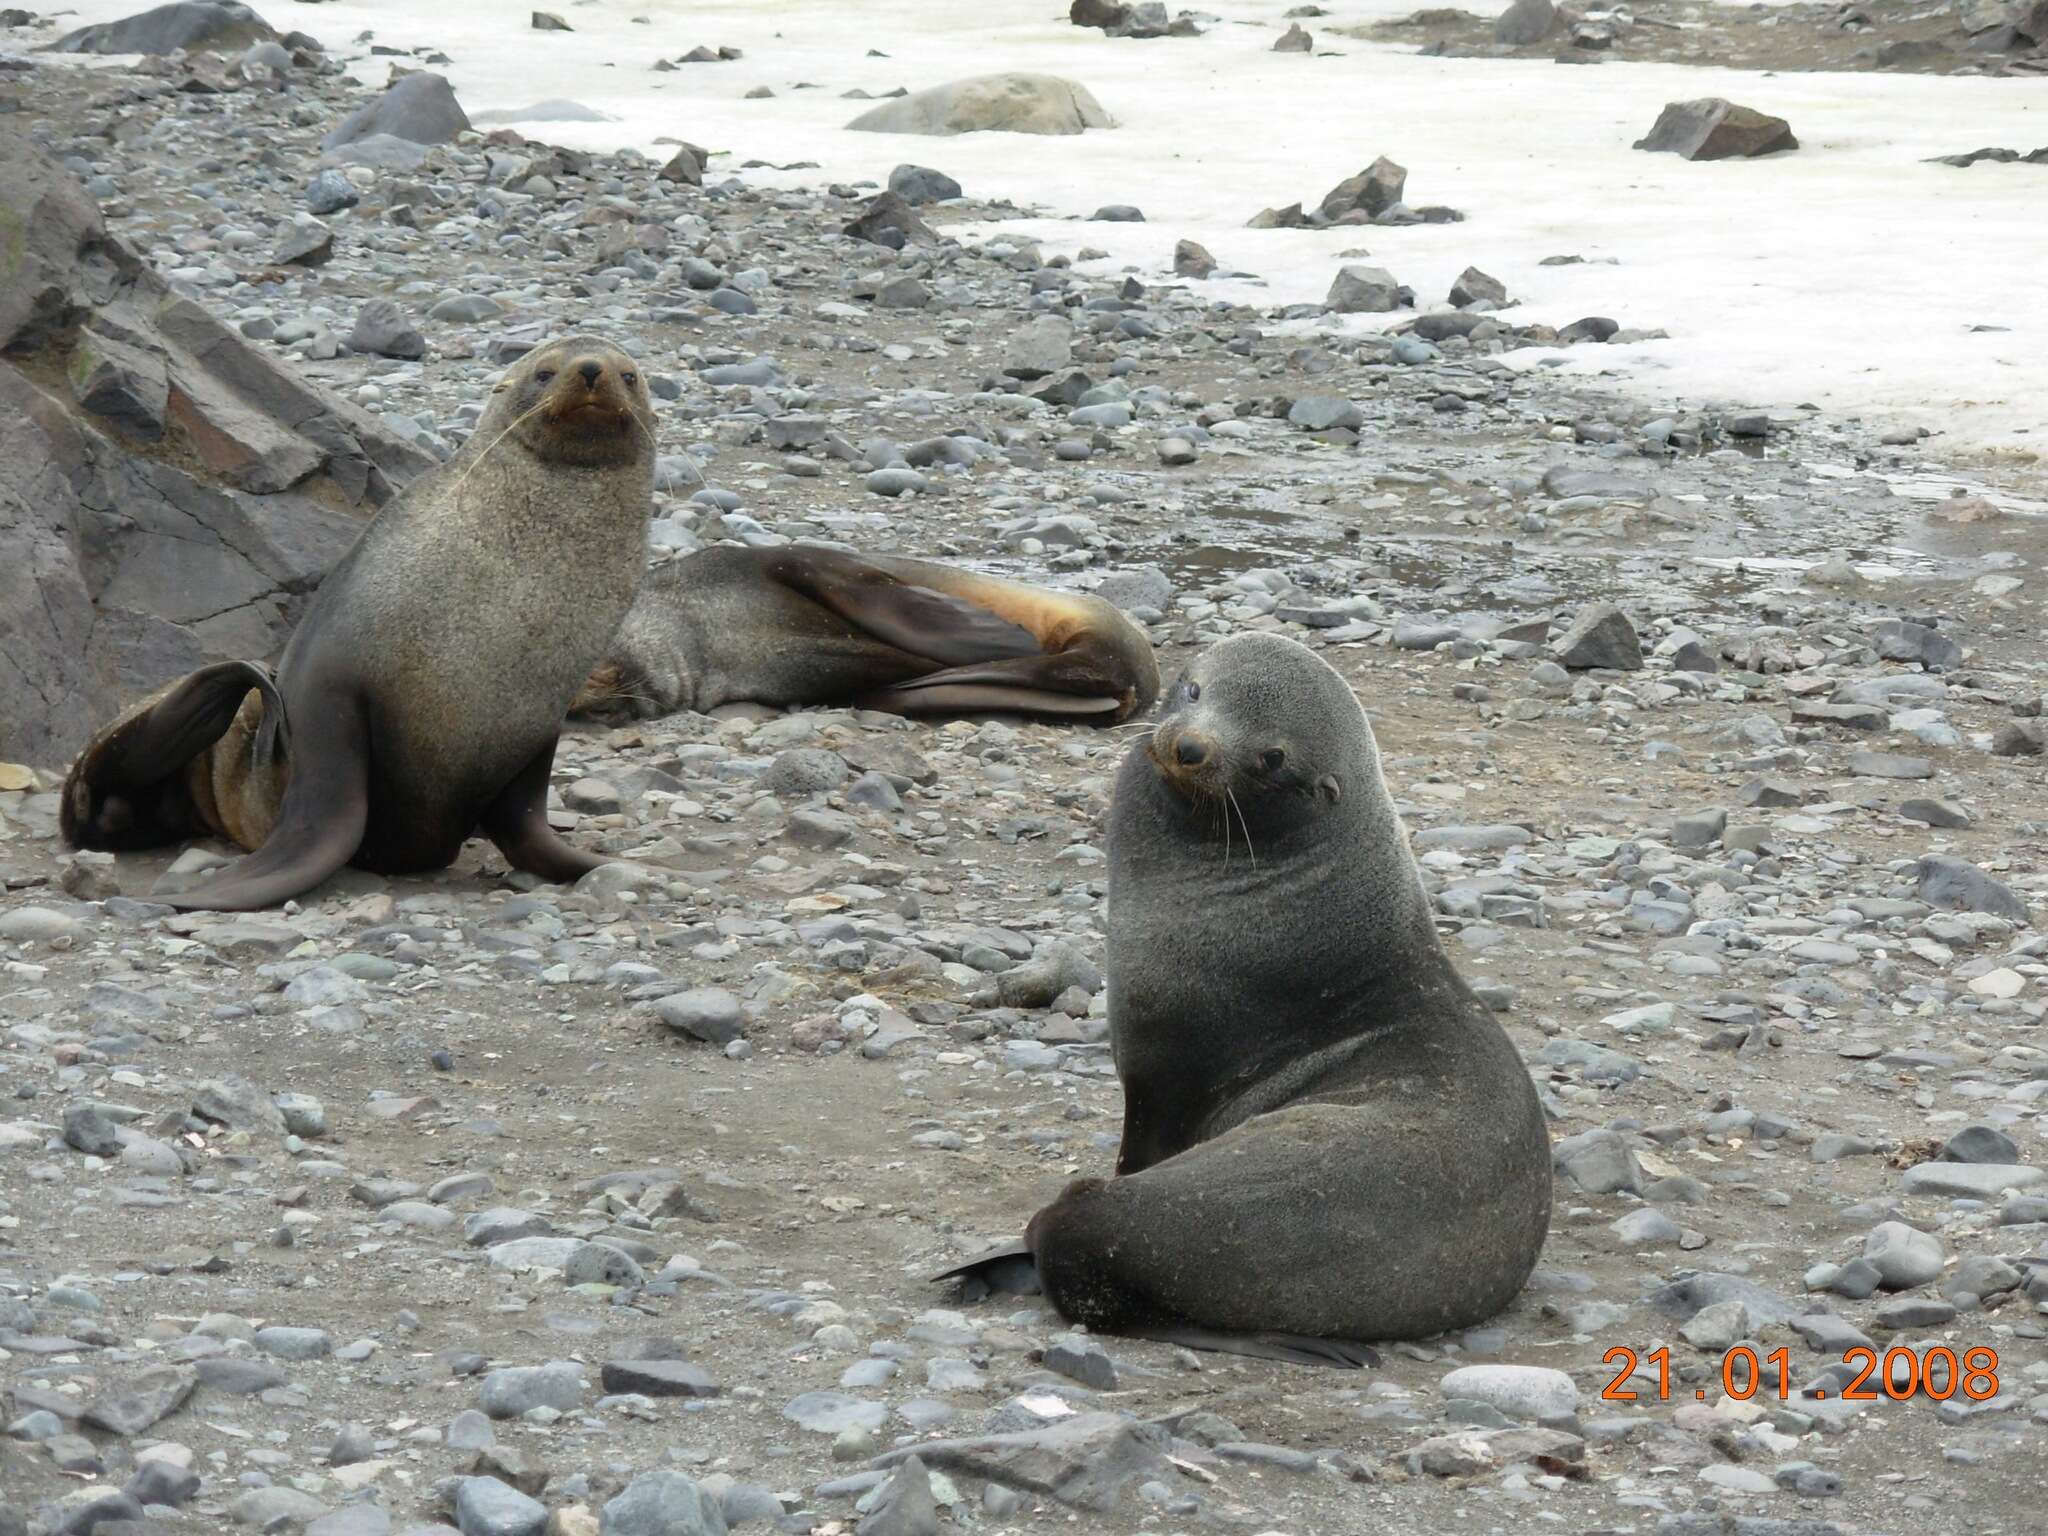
point(910, 618)
point(319, 825)
point(127, 788)
point(1289, 1348)
point(1008, 1270)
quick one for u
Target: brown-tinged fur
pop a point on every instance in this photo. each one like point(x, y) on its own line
point(807, 624)
point(426, 685)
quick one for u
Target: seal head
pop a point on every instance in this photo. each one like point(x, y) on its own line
point(579, 400)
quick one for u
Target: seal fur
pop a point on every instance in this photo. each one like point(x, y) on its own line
point(421, 695)
point(1326, 1136)
point(809, 624)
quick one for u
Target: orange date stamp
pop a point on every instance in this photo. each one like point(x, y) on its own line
point(1937, 1372)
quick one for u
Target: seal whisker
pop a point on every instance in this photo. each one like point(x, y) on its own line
point(1248, 848)
point(455, 490)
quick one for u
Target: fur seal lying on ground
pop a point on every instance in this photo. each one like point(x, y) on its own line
point(807, 624)
point(1327, 1138)
point(420, 697)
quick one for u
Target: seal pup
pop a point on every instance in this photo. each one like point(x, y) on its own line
point(420, 698)
point(1326, 1137)
point(809, 624)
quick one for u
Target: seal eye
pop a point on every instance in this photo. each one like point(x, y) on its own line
point(1272, 759)
point(543, 375)
point(1194, 691)
point(629, 378)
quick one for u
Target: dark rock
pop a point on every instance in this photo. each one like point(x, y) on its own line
point(119, 569)
point(906, 1506)
point(685, 167)
point(1192, 260)
point(89, 1130)
point(190, 24)
point(156, 1396)
point(1371, 192)
point(918, 184)
point(1525, 22)
point(1979, 1144)
point(658, 1378)
point(2020, 738)
point(420, 109)
point(1592, 328)
point(1600, 636)
point(382, 328)
point(1090, 1461)
point(1295, 40)
point(305, 242)
point(1713, 129)
point(1473, 286)
point(1117, 213)
point(890, 221)
point(1900, 640)
point(1363, 290)
point(1957, 885)
point(548, 21)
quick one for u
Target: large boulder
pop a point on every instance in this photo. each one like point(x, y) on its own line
point(1525, 22)
point(168, 494)
point(419, 108)
point(1713, 129)
point(220, 25)
point(1013, 103)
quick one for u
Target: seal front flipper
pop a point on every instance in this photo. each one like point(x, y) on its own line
point(1008, 1270)
point(1025, 685)
point(127, 789)
point(1288, 1348)
point(911, 618)
point(319, 825)
point(517, 821)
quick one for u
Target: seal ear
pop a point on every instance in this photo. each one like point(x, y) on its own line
point(1328, 787)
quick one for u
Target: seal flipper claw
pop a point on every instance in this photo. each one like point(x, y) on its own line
point(1288, 1348)
point(319, 825)
point(1008, 1270)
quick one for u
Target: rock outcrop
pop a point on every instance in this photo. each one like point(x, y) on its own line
point(168, 494)
point(219, 25)
point(1014, 103)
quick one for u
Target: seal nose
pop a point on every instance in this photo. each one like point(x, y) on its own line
point(591, 372)
point(1191, 752)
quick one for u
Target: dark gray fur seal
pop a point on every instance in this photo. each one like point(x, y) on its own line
point(808, 624)
point(1326, 1137)
point(419, 700)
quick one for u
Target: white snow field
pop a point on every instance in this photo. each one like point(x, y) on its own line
point(1848, 274)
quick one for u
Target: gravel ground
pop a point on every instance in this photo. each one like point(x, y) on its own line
point(465, 1202)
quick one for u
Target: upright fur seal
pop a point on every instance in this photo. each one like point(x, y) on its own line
point(1326, 1136)
point(420, 697)
point(808, 624)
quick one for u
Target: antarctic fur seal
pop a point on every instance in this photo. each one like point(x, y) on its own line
point(421, 695)
point(809, 624)
point(1326, 1136)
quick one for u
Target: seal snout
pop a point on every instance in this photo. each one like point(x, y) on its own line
point(1187, 759)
